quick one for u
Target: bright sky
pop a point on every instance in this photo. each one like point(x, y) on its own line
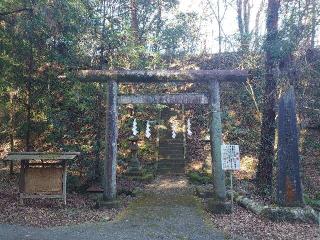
point(209, 26)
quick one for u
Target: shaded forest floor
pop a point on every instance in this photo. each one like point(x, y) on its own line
point(80, 208)
point(247, 225)
point(163, 209)
point(241, 224)
point(166, 209)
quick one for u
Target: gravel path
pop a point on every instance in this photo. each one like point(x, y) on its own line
point(166, 210)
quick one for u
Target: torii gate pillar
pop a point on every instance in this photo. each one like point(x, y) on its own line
point(110, 162)
point(216, 139)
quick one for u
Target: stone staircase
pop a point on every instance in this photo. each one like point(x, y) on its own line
point(171, 157)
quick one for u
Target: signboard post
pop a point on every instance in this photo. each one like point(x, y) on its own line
point(230, 157)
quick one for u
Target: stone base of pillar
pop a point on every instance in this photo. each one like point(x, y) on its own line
point(218, 206)
point(108, 204)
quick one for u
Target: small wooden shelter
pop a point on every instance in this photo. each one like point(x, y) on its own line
point(42, 174)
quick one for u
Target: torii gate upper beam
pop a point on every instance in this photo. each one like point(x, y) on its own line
point(158, 76)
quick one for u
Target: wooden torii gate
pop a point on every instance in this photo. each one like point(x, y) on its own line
point(212, 78)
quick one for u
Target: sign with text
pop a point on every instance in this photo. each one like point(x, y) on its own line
point(230, 157)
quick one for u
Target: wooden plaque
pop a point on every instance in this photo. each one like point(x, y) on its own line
point(43, 180)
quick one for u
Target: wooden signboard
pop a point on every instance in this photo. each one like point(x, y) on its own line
point(43, 175)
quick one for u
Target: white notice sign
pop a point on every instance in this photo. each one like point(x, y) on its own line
point(230, 157)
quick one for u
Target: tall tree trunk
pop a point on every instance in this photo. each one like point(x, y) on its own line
point(159, 24)
point(257, 21)
point(98, 135)
point(11, 127)
point(29, 79)
point(134, 21)
point(266, 154)
point(103, 37)
point(313, 23)
point(219, 27)
point(243, 17)
point(239, 18)
point(246, 16)
point(99, 99)
point(28, 110)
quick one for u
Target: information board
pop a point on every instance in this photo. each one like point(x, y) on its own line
point(230, 157)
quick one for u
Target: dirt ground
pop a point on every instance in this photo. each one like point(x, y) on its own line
point(249, 226)
point(80, 208)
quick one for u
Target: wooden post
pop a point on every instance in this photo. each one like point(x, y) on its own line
point(22, 179)
point(231, 188)
point(64, 182)
point(184, 132)
point(215, 140)
point(158, 134)
point(110, 162)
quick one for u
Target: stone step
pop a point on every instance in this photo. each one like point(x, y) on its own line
point(176, 158)
point(172, 146)
point(169, 171)
point(165, 143)
point(172, 160)
point(169, 147)
point(174, 142)
point(169, 136)
point(171, 150)
point(167, 133)
point(179, 160)
point(171, 157)
point(173, 168)
point(178, 153)
point(171, 141)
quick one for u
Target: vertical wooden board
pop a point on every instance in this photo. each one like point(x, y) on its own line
point(64, 183)
point(289, 187)
point(43, 180)
point(22, 176)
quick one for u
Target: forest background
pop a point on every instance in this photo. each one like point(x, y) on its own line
point(42, 40)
